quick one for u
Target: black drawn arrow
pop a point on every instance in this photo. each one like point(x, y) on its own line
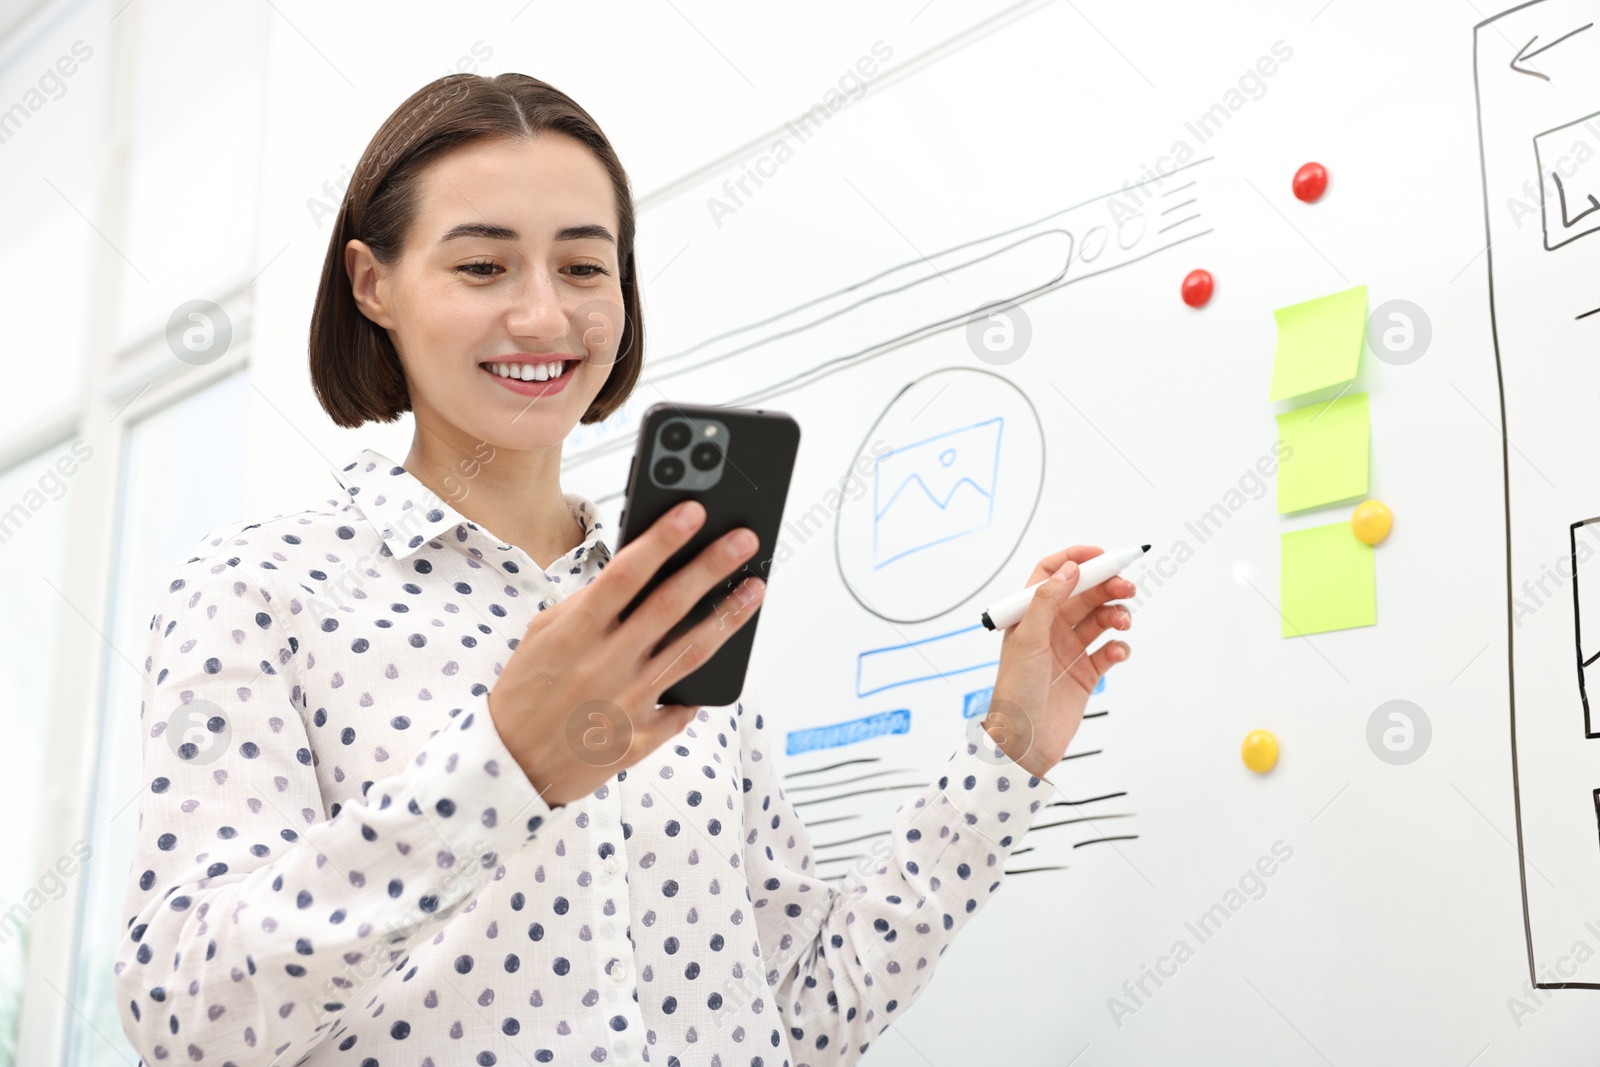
point(1525, 54)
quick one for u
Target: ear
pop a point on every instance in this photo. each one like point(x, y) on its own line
point(366, 282)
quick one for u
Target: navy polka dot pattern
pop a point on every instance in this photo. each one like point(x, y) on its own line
point(358, 872)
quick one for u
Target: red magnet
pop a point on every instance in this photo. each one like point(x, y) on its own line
point(1310, 181)
point(1197, 287)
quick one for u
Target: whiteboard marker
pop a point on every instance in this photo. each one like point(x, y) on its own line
point(1008, 611)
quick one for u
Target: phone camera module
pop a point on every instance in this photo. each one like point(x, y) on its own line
point(668, 470)
point(688, 454)
point(705, 456)
point(674, 435)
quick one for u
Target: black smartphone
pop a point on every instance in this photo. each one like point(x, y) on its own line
point(737, 462)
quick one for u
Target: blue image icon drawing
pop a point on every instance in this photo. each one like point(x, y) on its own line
point(934, 490)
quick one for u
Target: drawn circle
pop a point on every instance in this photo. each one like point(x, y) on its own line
point(1398, 732)
point(938, 495)
point(1002, 723)
point(999, 333)
point(1084, 255)
point(1144, 224)
point(198, 732)
point(599, 733)
point(199, 332)
point(1399, 332)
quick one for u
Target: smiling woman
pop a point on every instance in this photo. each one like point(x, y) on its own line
point(445, 818)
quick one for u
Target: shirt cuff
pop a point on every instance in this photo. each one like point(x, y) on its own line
point(994, 794)
point(479, 774)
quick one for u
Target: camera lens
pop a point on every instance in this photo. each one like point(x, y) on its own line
point(668, 469)
point(705, 456)
point(675, 435)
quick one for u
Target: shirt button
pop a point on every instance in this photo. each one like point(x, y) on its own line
point(612, 865)
point(619, 973)
point(548, 602)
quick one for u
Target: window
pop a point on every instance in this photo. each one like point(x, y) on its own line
point(181, 477)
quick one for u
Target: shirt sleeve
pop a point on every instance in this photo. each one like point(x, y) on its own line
point(843, 964)
point(255, 913)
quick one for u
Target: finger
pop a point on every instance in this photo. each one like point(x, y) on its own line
point(1103, 658)
point(666, 721)
point(1105, 617)
point(1086, 667)
point(1113, 588)
point(631, 566)
point(691, 650)
point(670, 601)
point(1033, 629)
point(1121, 588)
point(1052, 563)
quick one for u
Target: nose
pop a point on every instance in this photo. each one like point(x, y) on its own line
point(539, 312)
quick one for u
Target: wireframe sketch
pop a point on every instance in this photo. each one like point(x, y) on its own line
point(1537, 70)
point(864, 318)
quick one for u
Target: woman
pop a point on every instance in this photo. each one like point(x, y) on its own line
point(412, 799)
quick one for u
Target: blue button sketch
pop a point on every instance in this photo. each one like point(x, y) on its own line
point(848, 733)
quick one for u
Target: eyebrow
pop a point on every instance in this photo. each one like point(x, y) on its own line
point(494, 232)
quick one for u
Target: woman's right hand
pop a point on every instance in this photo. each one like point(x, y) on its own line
point(578, 700)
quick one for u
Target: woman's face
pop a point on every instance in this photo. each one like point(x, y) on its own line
point(511, 259)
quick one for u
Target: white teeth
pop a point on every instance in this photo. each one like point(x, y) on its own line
point(529, 372)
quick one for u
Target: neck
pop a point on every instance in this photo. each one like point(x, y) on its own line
point(515, 495)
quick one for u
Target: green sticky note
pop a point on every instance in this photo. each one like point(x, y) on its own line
point(1328, 582)
point(1326, 453)
point(1319, 342)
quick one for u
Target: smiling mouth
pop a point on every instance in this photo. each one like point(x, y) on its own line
point(530, 372)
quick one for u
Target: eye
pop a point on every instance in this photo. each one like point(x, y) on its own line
point(472, 268)
point(596, 270)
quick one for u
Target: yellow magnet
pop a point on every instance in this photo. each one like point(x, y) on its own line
point(1260, 751)
point(1371, 521)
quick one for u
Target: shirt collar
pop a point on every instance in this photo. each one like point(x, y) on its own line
point(407, 514)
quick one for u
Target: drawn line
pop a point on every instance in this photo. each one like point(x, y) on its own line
point(1099, 840)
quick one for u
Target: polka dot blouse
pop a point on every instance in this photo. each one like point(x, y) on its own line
point(339, 862)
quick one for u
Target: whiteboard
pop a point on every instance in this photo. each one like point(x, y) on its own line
point(1169, 905)
point(1028, 154)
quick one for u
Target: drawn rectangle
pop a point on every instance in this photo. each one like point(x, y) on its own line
point(968, 649)
point(1568, 205)
point(1584, 565)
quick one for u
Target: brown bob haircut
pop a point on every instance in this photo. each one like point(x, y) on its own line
point(355, 370)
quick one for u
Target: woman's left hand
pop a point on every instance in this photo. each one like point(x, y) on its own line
point(1046, 672)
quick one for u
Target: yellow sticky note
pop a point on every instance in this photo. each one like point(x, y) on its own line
point(1327, 453)
point(1329, 581)
point(1319, 342)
